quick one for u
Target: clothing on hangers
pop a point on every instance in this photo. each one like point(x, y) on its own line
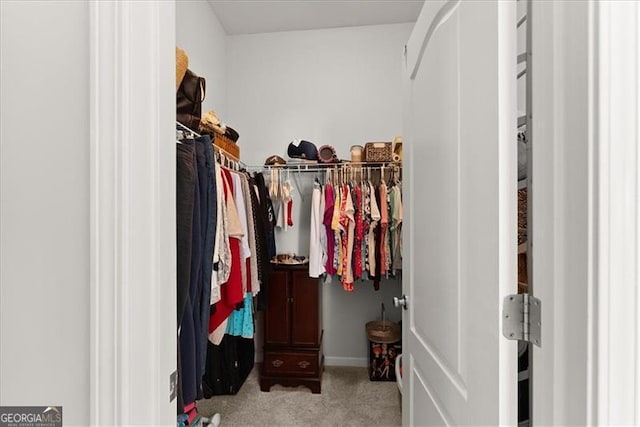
point(316, 267)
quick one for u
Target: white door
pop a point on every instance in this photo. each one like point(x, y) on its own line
point(460, 244)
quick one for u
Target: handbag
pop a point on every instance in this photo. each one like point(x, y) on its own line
point(189, 99)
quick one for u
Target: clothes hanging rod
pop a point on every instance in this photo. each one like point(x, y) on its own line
point(320, 167)
point(221, 150)
point(521, 21)
point(185, 128)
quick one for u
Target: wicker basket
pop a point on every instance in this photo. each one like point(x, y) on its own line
point(378, 152)
point(227, 145)
point(383, 331)
point(522, 216)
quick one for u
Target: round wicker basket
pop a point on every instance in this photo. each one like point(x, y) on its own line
point(383, 331)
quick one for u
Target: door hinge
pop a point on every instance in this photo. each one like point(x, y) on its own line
point(521, 318)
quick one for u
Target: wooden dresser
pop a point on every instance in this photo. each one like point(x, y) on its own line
point(293, 330)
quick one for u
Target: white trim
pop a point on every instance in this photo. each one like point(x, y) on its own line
point(617, 192)
point(586, 212)
point(543, 204)
point(561, 208)
point(360, 362)
point(103, 269)
point(592, 291)
point(132, 212)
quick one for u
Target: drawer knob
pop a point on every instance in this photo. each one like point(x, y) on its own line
point(304, 364)
point(277, 363)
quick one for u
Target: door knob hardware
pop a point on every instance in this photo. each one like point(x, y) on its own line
point(401, 302)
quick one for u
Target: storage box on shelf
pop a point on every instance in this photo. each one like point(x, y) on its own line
point(227, 145)
point(378, 152)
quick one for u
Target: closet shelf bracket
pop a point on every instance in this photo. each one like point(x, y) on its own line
point(521, 318)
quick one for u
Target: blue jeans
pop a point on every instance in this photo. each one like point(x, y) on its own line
point(208, 219)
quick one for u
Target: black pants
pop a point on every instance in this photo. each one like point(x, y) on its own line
point(185, 188)
point(191, 371)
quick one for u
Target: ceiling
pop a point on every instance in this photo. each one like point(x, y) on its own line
point(265, 16)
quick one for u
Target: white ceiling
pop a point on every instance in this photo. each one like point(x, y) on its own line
point(265, 16)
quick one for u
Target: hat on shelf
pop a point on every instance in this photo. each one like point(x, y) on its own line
point(275, 160)
point(327, 154)
point(182, 63)
point(211, 122)
point(232, 134)
point(301, 149)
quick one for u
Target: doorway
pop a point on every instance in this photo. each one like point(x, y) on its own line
point(115, 322)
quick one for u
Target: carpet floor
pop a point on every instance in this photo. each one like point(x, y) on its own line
point(348, 398)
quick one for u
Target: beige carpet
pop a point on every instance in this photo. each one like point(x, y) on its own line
point(348, 398)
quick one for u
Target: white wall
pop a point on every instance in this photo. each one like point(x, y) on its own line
point(336, 86)
point(200, 34)
point(44, 226)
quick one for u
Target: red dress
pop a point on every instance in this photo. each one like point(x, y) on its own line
point(231, 291)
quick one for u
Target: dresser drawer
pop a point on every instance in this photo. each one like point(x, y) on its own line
point(291, 363)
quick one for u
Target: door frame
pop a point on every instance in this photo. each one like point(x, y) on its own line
point(585, 247)
point(132, 355)
point(615, 301)
point(132, 212)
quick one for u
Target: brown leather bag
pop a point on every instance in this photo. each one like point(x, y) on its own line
point(189, 99)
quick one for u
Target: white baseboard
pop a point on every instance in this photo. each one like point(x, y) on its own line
point(361, 362)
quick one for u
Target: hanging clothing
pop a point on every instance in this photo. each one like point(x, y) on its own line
point(329, 207)
point(316, 269)
point(359, 233)
point(385, 252)
point(351, 225)
point(245, 250)
point(241, 320)
point(397, 217)
point(208, 217)
point(366, 219)
point(373, 226)
point(231, 291)
point(185, 188)
point(259, 221)
point(343, 230)
point(222, 237)
point(254, 283)
point(377, 243)
point(266, 233)
point(322, 231)
point(191, 318)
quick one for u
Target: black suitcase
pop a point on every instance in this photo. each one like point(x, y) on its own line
point(228, 365)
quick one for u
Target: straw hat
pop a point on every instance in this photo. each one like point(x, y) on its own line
point(182, 63)
point(210, 121)
point(275, 160)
